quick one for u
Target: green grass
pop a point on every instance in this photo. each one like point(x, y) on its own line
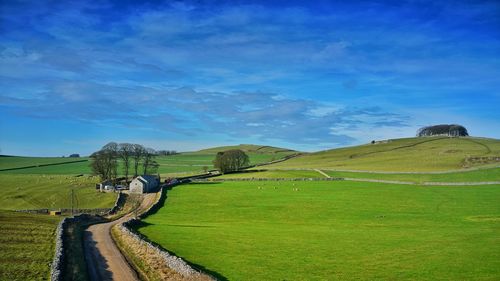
point(403, 155)
point(482, 175)
point(273, 174)
point(26, 245)
point(63, 169)
point(7, 162)
point(333, 230)
point(51, 191)
point(249, 148)
point(188, 162)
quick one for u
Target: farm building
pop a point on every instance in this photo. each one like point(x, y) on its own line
point(105, 186)
point(144, 184)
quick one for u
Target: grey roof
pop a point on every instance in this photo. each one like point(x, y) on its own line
point(147, 178)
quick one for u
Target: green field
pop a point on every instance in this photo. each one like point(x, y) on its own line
point(8, 162)
point(51, 191)
point(26, 245)
point(402, 155)
point(482, 175)
point(273, 174)
point(333, 230)
point(188, 162)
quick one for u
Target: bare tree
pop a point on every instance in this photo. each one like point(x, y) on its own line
point(125, 153)
point(149, 164)
point(137, 155)
point(104, 162)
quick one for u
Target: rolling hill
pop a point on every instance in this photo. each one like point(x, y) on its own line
point(428, 154)
point(185, 162)
point(249, 148)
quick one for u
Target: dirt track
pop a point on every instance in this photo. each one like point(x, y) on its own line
point(104, 260)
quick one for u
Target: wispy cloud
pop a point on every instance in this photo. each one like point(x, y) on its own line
point(318, 73)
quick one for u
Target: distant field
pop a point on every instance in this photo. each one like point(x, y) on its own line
point(63, 169)
point(250, 148)
point(482, 175)
point(273, 174)
point(333, 230)
point(189, 162)
point(26, 245)
point(19, 162)
point(50, 191)
point(404, 155)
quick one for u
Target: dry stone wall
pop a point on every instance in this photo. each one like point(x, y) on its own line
point(57, 262)
point(174, 268)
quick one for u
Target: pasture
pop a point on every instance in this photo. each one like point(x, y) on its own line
point(26, 245)
point(481, 175)
point(425, 154)
point(51, 191)
point(9, 162)
point(272, 174)
point(182, 163)
point(332, 230)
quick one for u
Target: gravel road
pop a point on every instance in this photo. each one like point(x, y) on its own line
point(104, 259)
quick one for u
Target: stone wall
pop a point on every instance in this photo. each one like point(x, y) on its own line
point(271, 179)
point(96, 211)
point(119, 198)
point(153, 255)
point(57, 262)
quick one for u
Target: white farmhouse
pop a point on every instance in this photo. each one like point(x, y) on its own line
point(144, 184)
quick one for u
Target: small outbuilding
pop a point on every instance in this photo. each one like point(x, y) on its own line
point(144, 184)
point(105, 186)
point(55, 213)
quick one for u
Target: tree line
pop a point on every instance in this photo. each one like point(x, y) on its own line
point(452, 130)
point(134, 158)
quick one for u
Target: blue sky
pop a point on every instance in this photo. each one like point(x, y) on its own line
point(187, 75)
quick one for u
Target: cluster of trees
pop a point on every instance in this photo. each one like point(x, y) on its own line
point(231, 160)
point(452, 130)
point(133, 157)
point(166, 152)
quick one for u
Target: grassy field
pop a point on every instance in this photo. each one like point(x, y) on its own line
point(7, 162)
point(26, 245)
point(403, 155)
point(188, 162)
point(51, 191)
point(274, 174)
point(63, 169)
point(482, 175)
point(333, 230)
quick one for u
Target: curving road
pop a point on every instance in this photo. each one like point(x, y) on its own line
point(104, 259)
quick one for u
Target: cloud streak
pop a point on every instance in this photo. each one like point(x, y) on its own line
point(320, 74)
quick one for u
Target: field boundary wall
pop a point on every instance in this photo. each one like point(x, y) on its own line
point(171, 261)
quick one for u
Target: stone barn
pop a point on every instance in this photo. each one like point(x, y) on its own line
point(144, 184)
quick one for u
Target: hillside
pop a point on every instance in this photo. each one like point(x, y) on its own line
point(19, 162)
point(249, 148)
point(429, 154)
point(186, 162)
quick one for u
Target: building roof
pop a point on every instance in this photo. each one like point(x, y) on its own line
point(147, 178)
